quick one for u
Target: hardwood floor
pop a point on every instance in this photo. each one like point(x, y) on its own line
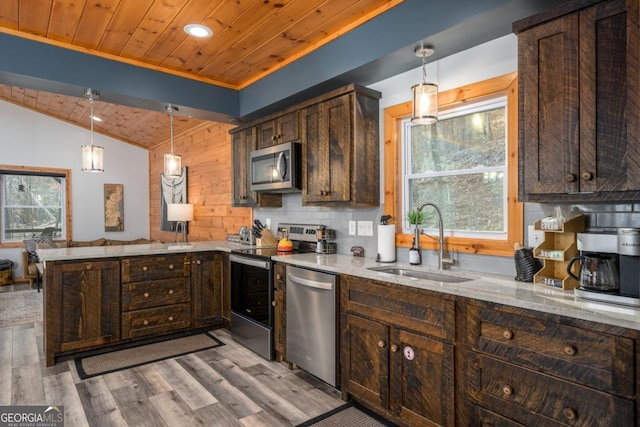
point(224, 386)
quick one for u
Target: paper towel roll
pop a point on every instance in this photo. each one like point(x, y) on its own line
point(387, 243)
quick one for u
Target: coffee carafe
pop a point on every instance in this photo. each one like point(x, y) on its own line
point(598, 272)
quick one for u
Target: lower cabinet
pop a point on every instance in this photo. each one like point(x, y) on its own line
point(280, 312)
point(97, 303)
point(207, 276)
point(82, 306)
point(530, 368)
point(388, 361)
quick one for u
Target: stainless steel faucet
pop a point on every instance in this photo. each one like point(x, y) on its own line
point(442, 261)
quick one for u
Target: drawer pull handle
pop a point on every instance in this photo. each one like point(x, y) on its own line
point(198, 262)
point(381, 344)
point(507, 334)
point(570, 350)
point(170, 318)
point(273, 303)
point(279, 276)
point(146, 294)
point(170, 291)
point(394, 348)
point(569, 177)
point(145, 322)
point(145, 268)
point(587, 176)
point(170, 266)
point(507, 390)
point(88, 267)
point(569, 413)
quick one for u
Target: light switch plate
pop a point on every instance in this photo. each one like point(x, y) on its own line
point(352, 228)
point(365, 228)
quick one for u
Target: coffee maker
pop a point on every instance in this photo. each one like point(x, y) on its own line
point(623, 250)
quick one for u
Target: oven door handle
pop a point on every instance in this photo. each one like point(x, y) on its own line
point(252, 262)
point(310, 283)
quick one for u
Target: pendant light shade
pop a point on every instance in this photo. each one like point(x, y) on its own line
point(425, 95)
point(172, 162)
point(92, 155)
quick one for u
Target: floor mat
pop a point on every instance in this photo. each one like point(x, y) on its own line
point(101, 364)
point(348, 415)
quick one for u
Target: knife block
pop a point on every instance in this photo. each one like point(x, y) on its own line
point(267, 239)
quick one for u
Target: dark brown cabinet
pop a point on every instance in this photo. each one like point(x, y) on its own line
point(579, 105)
point(341, 150)
point(398, 359)
point(280, 312)
point(82, 306)
point(282, 129)
point(533, 369)
point(156, 295)
point(207, 276)
point(243, 142)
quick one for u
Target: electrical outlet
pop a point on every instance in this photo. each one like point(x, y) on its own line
point(352, 228)
point(267, 223)
point(534, 237)
point(365, 228)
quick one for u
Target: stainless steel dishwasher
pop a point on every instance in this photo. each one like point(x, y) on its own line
point(311, 322)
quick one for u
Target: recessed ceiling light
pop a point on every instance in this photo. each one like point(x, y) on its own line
point(198, 30)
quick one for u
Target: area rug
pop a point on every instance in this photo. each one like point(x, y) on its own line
point(348, 415)
point(20, 307)
point(101, 364)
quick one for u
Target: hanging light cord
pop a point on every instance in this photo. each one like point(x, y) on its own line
point(171, 125)
point(91, 115)
point(424, 63)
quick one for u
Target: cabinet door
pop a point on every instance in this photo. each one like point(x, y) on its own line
point(609, 90)
point(243, 142)
point(280, 314)
point(365, 360)
point(421, 379)
point(326, 130)
point(206, 279)
point(279, 130)
point(89, 305)
point(549, 107)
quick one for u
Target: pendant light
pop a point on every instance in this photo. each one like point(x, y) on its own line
point(425, 95)
point(172, 162)
point(92, 155)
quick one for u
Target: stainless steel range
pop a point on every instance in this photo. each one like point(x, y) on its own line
point(252, 289)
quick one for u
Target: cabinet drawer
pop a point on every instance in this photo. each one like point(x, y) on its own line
point(403, 307)
point(480, 417)
point(532, 398)
point(155, 321)
point(155, 293)
point(595, 359)
point(151, 268)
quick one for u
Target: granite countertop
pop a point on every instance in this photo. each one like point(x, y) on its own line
point(483, 286)
point(62, 254)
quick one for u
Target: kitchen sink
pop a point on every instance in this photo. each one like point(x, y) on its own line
point(417, 274)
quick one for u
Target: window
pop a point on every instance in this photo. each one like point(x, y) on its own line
point(438, 170)
point(33, 202)
point(459, 163)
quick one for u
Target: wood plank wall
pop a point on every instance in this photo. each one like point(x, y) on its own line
point(206, 152)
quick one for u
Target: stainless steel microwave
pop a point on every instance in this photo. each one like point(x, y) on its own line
point(276, 169)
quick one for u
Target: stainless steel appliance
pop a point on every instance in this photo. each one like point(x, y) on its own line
point(311, 322)
point(619, 253)
point(252, 289)
point(276, 169)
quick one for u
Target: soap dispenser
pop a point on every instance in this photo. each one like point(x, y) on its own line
point(415, 257)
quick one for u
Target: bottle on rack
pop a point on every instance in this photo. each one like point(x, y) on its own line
point(415, 257)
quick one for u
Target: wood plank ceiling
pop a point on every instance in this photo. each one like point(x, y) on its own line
point(251, 39)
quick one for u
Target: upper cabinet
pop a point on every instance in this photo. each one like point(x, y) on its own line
point(579, 73)
point(243, 142)
point(339, 133)
point(282, 129)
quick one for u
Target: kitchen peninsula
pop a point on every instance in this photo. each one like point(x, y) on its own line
point(107, 296)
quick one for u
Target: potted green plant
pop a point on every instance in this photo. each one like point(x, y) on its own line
point(415, 217)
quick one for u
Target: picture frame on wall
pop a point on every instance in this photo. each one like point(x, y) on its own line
point(113, 207)
point(172, 190)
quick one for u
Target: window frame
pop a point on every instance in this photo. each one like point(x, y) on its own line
point(44, 171)
point(393, 179)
